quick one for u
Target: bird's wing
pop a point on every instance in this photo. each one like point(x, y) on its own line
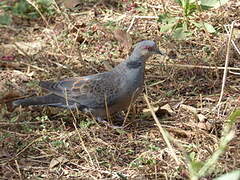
point(91, 91)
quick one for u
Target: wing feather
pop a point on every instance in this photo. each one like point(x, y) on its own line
point(90, 91)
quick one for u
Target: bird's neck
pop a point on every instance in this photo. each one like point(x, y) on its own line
point(133, 62)
point(136, 61)
point(138, 57)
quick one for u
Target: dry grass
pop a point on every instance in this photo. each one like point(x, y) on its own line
point(49, 143)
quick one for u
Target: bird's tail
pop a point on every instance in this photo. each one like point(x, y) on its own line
point(48, 100)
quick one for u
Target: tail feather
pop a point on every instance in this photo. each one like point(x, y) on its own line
point(48, 100)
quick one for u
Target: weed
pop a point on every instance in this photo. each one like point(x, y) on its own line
point(182, 25)
point(24, 9)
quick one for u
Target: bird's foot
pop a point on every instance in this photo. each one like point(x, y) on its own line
point(101, 120)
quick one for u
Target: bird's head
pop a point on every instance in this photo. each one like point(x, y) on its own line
point(146, 48)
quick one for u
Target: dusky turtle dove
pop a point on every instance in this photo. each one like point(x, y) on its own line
point(116, 88)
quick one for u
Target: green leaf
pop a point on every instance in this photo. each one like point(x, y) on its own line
point(167, 27)
point(196, 165)
point(85, 124)
point(234, 115)
point(209, 28)
point(5, 19)
point(180, 33)
point(212, 3)
point(234, 175)
point(192, 155)
point(191, 8)
point(185, 26)
point(165, 18)
point(179, 2)
point(198, 25)
point(204, 26)
point(162, 17)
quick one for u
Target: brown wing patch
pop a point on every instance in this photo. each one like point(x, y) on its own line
point(81, 86)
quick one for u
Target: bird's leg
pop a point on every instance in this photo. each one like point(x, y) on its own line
point(101, 120)
point(120, 116)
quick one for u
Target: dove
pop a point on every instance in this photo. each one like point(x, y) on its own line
point(100, 94)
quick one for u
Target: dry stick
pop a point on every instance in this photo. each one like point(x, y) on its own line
point(98, 170)
point(74, 124)
point(140, 17)
point(235, 46)
point(44, 19)
point(27, 146)
point(233, 43)
point(129, 107)
point(29, 57)
point(74, 42)
point(35, 6)
point(106, 108)
point(226, 63)
point(82, 142)
point(163, 132)
point(235, 73)
point(196, 66)
point(18, 169)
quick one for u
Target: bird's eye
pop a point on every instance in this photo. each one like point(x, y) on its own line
point(149, 48)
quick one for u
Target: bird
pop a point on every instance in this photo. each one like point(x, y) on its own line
point(101, 94)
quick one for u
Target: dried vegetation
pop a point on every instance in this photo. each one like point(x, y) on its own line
point(39, 142)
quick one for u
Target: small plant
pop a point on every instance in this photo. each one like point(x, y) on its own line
point(181, 26)
point(24, 9)
point(200, 169)
point(86, 124)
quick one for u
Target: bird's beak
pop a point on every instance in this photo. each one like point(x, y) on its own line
point(157, 51)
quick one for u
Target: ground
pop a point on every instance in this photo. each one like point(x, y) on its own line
point(183, 88)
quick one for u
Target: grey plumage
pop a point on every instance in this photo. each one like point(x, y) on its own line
point(116, 88)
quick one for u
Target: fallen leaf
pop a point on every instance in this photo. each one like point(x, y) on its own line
point(71, 3)
point(29, 48)
point(201, 117)
point(168, 108)
point(205, 126)
point(124, 39)
point(56, 161)
point(189, 108)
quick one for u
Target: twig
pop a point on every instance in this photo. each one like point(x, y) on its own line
point(163, 132)
point(75, 41)
point(33, 66)
point(196, 66)
point(235, 73)
point(130, 106)
point(29, 58)
point(235, 46)
point(140, 17)
point(20, 49)
point(18, 169)
point(74, 124)
point(37, 9)
point(226, 63)
point(27, 146)
point(80, 137)
point(233, 43)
